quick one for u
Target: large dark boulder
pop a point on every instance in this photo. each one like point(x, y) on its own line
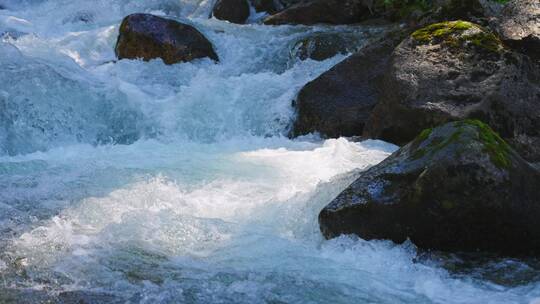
point(321, 11)
point(147, 37)
point(455, 70)
point(235, 11)
point(339, 102)
point(458, 187)
point(519, 26)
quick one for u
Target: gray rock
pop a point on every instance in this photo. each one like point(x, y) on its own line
point(458, 187)
point(519, 26)
point(147, 37)
point(235, 11)
point(339, 102)
point(321, 46)
point(520, 19)
point(321, 11)
point(455, 70)
point(416, 13)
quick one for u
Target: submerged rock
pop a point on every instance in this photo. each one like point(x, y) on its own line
point(520, 26)
point(147, 37)
point(235, 11)
point(339, 102)
point(321, 11)
point(458, 187)
point(455, 70)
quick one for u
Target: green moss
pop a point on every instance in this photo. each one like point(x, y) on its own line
point(495, 146)
point(450, 32)
point(441, 145)
point(440, 31)
point(436, 144)
point(419, 153)
point(425, 134)
point(487, 41)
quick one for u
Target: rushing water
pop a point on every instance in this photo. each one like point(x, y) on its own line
point(137, 182)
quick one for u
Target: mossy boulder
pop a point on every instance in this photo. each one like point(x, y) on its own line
point(339, 102)
point(234, 11)
point(457, 187)
point(321, 11)
point(459, 35)
point(145, 36)
point(457, 70)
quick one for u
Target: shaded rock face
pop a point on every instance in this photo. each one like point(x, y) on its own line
point(289, 3)
point(322, 46)
point(418, 13)
point(339, 102)
point(519, 26)
point(235, 11)
point(461, 9)
point(147, 37)
point(455, 70)
point(269, 6)
point(321, 11)
point(458, 187)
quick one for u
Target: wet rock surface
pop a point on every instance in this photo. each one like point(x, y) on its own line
point(235, 11)
point(458, 187)
point(145, 36)
point(339, 102)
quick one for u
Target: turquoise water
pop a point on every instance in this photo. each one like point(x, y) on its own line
point(138, 182)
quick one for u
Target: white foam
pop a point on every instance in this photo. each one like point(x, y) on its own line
point(212, 204)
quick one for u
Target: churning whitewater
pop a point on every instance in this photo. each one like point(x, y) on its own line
point(138, 182)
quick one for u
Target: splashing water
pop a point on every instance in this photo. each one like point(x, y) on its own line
point(129, 181)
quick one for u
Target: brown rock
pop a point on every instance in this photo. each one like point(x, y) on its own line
point(147, 37)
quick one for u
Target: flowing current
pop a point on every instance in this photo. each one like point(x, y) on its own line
point(137, 182)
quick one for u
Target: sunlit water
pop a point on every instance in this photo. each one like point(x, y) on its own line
point(137, 182)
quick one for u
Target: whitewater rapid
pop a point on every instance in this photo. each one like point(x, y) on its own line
point(137, 182)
